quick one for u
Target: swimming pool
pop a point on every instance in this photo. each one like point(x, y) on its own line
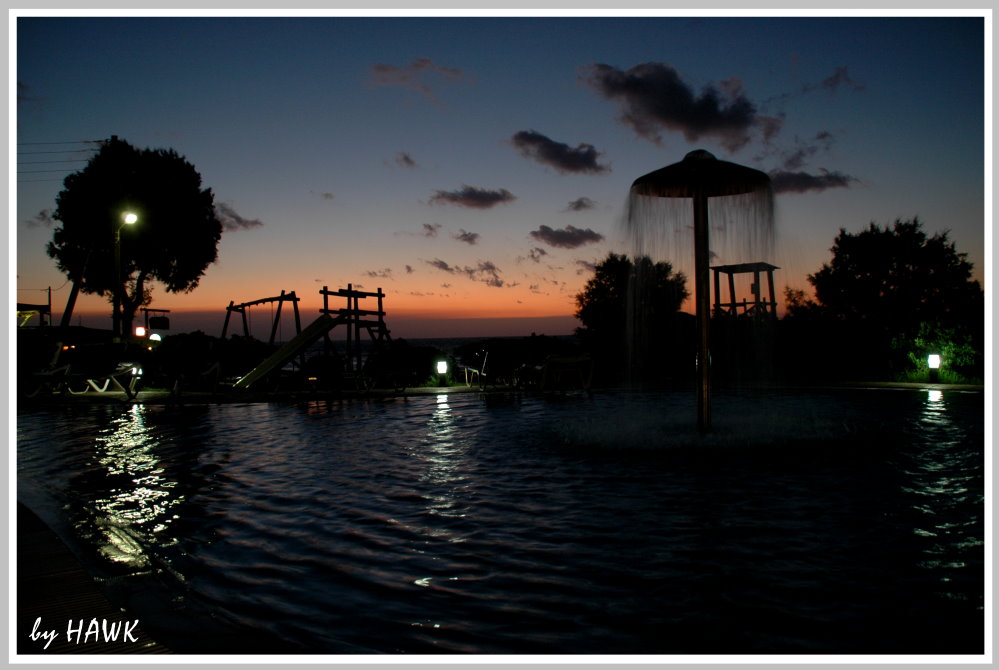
point(809, 522)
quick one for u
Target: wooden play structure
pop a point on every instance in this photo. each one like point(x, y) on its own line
point(276, 321)
point(356, 319)
point(757, 306)
point(353, 318)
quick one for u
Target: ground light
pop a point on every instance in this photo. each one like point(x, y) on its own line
point(933, 362)
point(442, 367)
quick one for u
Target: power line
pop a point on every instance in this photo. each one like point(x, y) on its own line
point(39, 171)
point(66, 151)
point(27, 144)
point(71, 160)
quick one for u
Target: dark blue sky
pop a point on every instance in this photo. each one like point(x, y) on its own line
point(475, 167)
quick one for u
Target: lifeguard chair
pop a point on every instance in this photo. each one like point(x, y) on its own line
point(757, 306)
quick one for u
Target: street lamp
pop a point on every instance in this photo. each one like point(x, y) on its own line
point(127, 219)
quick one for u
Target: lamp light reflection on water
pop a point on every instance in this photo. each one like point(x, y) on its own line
point(444, 456)
point(144, 504)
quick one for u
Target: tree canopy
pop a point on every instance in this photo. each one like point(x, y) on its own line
point(629, 305)
point(897, 276)
point(894, 294)
point(174, 240)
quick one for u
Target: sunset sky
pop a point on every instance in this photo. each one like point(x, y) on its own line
point(477, 168)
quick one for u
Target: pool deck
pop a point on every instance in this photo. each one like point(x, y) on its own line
point(53, 586)
point(199, 397)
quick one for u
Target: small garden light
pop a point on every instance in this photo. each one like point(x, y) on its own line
point(933, 362)
point(442, 367)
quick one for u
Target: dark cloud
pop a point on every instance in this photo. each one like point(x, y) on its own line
point(795, 158)
point(43, 218)
point(409, 269)
point(231, 221)
point(800, 182)
point(580, 204)
point(414, 76)
point(24, 92)
point(426, 230)
point(562, 157)
point(476, 198)
point(466, 237)
point(585, 266)
point(441, 265)
point(653, 96)
point(405, 160)
point(380, 274)
point(323, 195)
point(536, 254)
point(485, 272)
point(839, 78)
point(569, 237)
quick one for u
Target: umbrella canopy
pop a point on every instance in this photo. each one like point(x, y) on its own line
point(700, 173)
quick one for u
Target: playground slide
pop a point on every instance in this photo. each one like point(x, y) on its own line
point(292, 348)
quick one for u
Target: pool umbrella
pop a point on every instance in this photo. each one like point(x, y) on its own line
point(700, 176)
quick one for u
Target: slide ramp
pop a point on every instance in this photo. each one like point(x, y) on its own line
point(292, 348)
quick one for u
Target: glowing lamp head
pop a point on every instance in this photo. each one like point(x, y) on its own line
point(442, 367)
point(933, 361)
point(130, 217)
point(140, 331)
point(155, 337)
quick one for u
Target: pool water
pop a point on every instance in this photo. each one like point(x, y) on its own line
point(839, 522)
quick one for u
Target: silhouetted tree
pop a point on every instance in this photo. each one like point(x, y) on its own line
point(627, 310)
point(173, 242)
point(899, 290)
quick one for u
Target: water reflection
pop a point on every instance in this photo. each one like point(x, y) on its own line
point(945, 488)
point(140, 498)
point(444, 454)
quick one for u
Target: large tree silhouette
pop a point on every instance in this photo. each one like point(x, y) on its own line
point(173, 242)
point(901, 288)
point(628, 310)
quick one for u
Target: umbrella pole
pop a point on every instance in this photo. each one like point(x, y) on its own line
point(703, 308)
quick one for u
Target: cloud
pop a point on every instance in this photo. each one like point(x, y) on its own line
point(569, 237)
point(585, 266)
point(426, 230)
point(405, 160)
point(653, 97)
point(536, 253)
point(415, 76)
point(580, 204)
point(473, 197)
point(380, 274)
point(562, 157)
point(796, 158)
point(800, 182)
point(485, 272)
point(465, 236)
point(409, 269)
point(231, 221)
point(43, 218)
point(23, 92)
point(323, 195)
point(839, 78)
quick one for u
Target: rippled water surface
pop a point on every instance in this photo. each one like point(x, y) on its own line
point(840, 522)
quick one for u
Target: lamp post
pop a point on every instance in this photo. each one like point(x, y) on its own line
point(127, 218)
